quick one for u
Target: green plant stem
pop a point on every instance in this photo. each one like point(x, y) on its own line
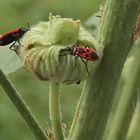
point(72, 128)
point(133, 132)
point(55, 116)
point(125, 104)
point(21, 106)
point(115, 35)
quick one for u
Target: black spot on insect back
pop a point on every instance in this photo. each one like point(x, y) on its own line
point(94, 56)
point(0, 42)
point(87, 50)
point(87, 55)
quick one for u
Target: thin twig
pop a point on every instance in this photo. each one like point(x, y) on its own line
point(21, 106)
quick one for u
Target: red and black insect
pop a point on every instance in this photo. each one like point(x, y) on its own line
point(83, 52)
point(12, 36)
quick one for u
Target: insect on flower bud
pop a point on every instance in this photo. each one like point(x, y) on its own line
point(43, 54)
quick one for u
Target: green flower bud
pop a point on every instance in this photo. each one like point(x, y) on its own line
point(42, 52)
point(57, 30)
point(63, 31)
point(49, 64)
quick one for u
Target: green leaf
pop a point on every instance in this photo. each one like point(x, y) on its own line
point(9, 60)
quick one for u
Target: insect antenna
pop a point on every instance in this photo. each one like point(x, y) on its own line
point(26, 29)
point(28, 25)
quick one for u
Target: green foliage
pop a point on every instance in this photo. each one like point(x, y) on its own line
point(15, 14)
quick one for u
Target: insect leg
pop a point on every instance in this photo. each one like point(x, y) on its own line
point(85, 66)
point(12, 46)
point(17, 39)
point(76, 59)
point(19, 43)
point(79, 81)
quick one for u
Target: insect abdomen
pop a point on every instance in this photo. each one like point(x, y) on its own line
point(7, 39)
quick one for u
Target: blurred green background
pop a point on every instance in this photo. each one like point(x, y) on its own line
point(14, 14)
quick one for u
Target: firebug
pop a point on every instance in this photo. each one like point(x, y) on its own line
point(13, 36)
point(82, 52)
